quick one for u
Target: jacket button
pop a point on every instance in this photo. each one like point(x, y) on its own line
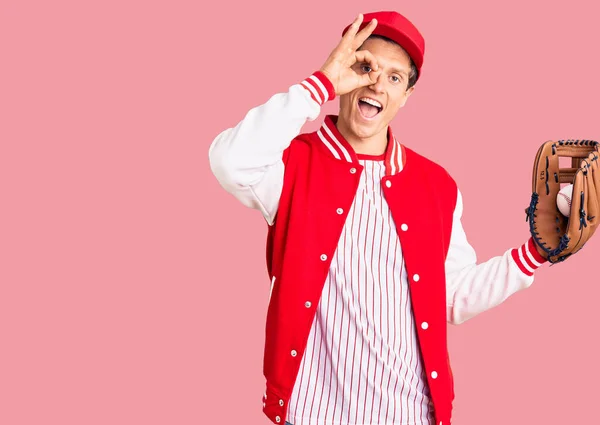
point(434, 374)
point(404, 227)
point(264, 404)
point(340, 211)
point(294, 353)
point(277, 418)
point(281, 402)
point(416, 277)
point(388, 183)
point(307, 304)
point(352, 170)
point(424, 325)
point(323, 257)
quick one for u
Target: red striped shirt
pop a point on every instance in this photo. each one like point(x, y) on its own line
point(362, 363)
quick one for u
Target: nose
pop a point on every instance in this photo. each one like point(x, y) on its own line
point(377, 86)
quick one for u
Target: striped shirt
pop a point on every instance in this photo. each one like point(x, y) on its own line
point(362, 364)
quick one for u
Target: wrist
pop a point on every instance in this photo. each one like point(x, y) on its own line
point(528, 257)
point(320, 87)
point(540, 251)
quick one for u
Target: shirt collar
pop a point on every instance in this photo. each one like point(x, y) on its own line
point(336, 145)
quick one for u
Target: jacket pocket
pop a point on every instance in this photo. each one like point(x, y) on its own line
point(271, 290)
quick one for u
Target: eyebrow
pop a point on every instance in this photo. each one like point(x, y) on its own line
point(400, 71)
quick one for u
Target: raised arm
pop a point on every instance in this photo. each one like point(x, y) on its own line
point(248, 159)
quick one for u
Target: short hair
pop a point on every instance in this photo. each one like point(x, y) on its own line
point(414, 73)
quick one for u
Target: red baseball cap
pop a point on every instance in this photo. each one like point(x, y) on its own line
point(396, 27)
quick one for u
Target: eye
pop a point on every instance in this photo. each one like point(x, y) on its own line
point(397, 79)
point(363, 66)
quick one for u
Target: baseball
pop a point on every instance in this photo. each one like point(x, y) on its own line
point(563, 200)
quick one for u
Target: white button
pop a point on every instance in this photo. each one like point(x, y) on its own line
point(307, 304)
point(424, 325)
point(441, 423)
point(404, 227)
point(323, 257)
point(352, 170)
point(281, 402)
point(340, 211)
point(416, 277)
point(388, 183)
point(294, 353)
point(434, 374)
point(277, 418)
point(264, 404)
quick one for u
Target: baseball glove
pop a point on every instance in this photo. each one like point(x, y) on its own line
point(559, 236)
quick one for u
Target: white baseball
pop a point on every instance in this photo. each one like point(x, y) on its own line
point(563, 200)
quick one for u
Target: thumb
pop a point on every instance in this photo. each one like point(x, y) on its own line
point(370, 78)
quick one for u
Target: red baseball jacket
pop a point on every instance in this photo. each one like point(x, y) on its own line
point(304, 185)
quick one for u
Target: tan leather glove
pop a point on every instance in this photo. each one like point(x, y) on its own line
point(557, 236)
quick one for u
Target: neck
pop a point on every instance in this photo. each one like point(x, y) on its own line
point(373, 145)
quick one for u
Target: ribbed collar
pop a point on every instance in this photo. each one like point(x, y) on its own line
point(338, 146)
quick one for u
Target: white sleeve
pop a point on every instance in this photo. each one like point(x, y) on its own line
point(473, 288)
point(247, 159)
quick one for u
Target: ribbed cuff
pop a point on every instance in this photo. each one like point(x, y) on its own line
point(527, 257)
point(319, 87)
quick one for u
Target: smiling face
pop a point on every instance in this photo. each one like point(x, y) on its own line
point(357, 115)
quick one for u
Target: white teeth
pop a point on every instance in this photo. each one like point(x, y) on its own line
point(371, 102)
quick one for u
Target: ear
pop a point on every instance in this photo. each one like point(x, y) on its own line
point(407, 95)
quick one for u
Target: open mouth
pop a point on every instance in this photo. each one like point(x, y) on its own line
point(369, 108)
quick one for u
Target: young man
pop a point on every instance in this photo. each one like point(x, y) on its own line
point(366, 253)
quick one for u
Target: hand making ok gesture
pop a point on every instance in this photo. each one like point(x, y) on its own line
point(339, 65)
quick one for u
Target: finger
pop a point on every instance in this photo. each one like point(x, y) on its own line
point(366, 56)
point(595, 172)
point(574, 218)
point(593, 206)
point(351, 33)
point(364, 34)
point(369, 78)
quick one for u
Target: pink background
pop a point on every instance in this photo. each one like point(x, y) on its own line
point(134, 289)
